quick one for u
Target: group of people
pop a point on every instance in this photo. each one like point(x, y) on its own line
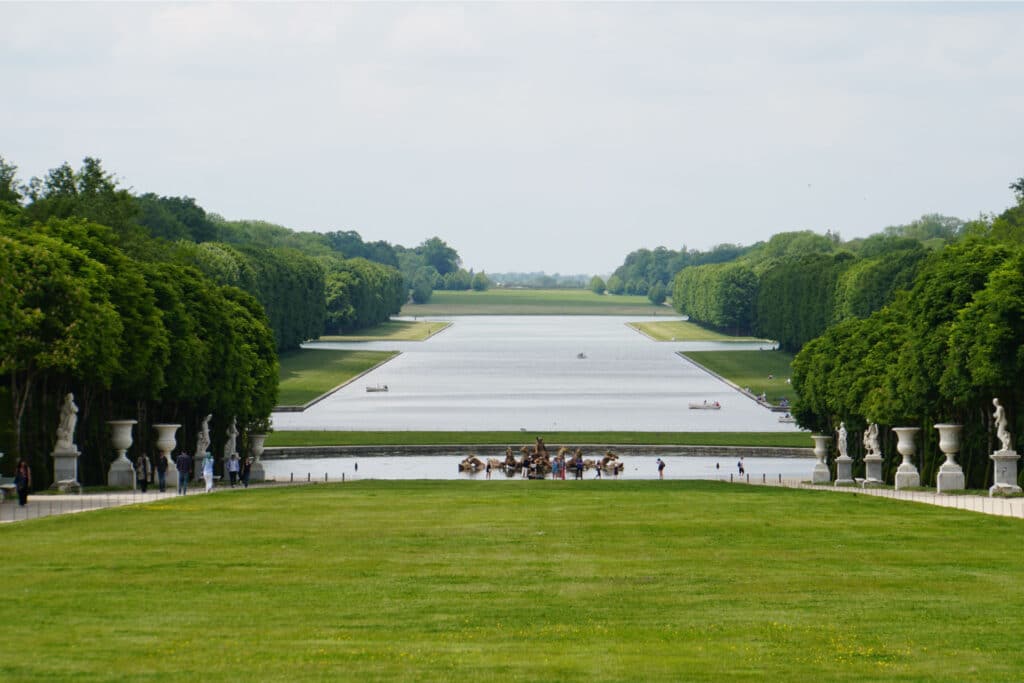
point(238, 470)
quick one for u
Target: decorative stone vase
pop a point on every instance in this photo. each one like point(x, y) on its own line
point(256, 472)
point(121, 473)
point(950, 477)
point(166, 440)
point(820, 475)
point(907, 475)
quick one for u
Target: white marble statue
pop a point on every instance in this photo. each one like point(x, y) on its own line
point(229, 445)
point(203, 440)
point(871, 439)
point(66, 426)
point(1002, 430)
point(841, 441)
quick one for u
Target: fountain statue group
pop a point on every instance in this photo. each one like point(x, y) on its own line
point(950, 476)
point(536, 463)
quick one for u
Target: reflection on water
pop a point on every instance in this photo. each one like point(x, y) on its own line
point(446, 467)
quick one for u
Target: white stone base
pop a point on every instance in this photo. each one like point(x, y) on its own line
point(65, 465)
point(257, 473)
point(1004, 466)
point(873, 470)
point(121, 474)
point(950, 478)
point(844, 471)
point(821, 475)
point(907, 477)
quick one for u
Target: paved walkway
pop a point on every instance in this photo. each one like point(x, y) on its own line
point(999, 506)
point(59, 504)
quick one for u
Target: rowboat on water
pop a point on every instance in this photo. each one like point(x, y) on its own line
point(706, 405)
point(379, 387)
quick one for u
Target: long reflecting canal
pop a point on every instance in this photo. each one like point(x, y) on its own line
point(537, 373)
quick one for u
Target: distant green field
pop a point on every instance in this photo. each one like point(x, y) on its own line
point(534, 302)
point(751, 369)
point(513, 580)
point(683, 330)
point(392, 330)
point(313, 438)
point(308, 373)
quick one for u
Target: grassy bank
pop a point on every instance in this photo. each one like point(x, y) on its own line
point(308, 373)
point(393, 330)
point(534, 302)
point(751, 369)
point(513, 580)
point(683, 330)
point(312, 438)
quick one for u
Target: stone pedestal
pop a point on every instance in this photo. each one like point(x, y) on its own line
point(950, 476)
point(65, 465)
point(1004, 466)
point(256, 472)
point(821, 475)
point(121, 473)
point(844, 471)
point(873, 471)
point(907, 475)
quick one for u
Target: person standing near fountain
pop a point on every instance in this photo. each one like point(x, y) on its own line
point(183, 463)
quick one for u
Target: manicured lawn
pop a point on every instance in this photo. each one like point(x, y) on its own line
point(308, 373)
point(393, 330)
point(514, 580)
point(751, 369)
point(320, 438)
point(534, 302)
point(683, 330)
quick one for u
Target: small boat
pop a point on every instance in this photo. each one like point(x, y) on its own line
point(379, 387)
point(581, 355)
point(787, 418)
point(713, 405)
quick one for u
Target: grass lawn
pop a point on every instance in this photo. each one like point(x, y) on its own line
point(323, 438)
point(751, 369)
point(513, 580)
point(392, 330)
point(534, 302)
point(308, 373)
point(683, 330)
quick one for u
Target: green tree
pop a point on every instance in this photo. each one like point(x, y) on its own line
point(597, 285)
point(438, 254)
point(481, 282)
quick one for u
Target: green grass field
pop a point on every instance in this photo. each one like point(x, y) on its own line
point(308, 373)
point(751, 369)
point(513, 580)
point(683, 330)
point(323, 438)
point(534, 302)
point(392, 330)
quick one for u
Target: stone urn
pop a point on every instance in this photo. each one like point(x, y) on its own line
point(256, 473)
point(166, 440)
point(907, 475)
point(821, 475)
point(121, 473)
point(950, 477)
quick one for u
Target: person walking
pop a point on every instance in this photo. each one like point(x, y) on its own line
point(661, 468)
point(23, 481)
point(234, 466)
point(142, 472)
point(183, 463)
point(208, 470)
point(246, 469)
point(161, 471)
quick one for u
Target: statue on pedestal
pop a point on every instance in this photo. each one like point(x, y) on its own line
point(229, 445)
point(203, 440)
point(1002, 430)
point(66, 426)
point(841, 440)
point(871, 439)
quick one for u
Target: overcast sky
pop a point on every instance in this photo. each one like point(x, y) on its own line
point(540, 136)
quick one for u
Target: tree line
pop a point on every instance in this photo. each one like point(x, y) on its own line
point(148, 307)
